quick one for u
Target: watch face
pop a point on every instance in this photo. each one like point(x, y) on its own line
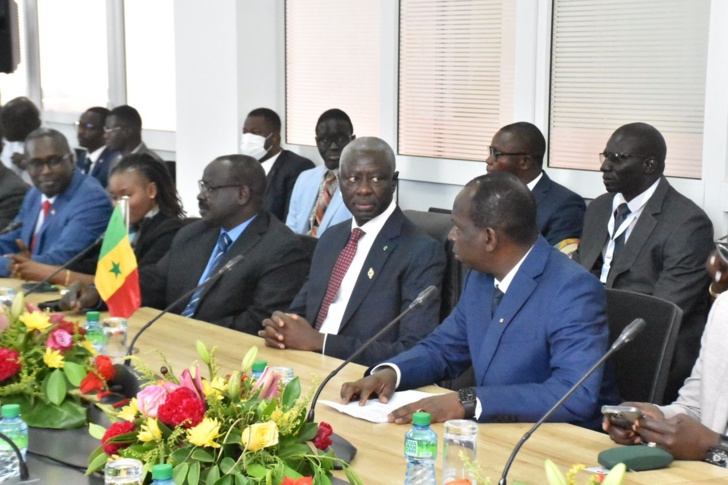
point(467, 395)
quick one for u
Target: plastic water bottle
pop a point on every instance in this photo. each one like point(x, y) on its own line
point(162, 475)
point(95, 331)
point(420, 450)
point(258, 368)
point(125, 471)
point(14, 428)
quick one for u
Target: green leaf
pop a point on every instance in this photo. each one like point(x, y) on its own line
point(193, 476)
point(201, 454)
point(352, 476)
point(227, 465)
point(294, 449)
point(290, 472)
point(181, 455)
point(180, 472)
point(96, 431)
point(308, 432)
point(233, 437)
point(292, 392)
point(56, 387)
point(68, 415)
point(74, 372)
point(226, 480)
point(240, 479)
point(256, 470)
point(213, 476)
point(97, 461)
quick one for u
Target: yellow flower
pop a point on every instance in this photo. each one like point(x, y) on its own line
point(260, 435)
point(214, 387)
point(205, 433)
point(150, 431)
point(53, 358)
point(129, 412)
point(89, 346)
point(35, 321)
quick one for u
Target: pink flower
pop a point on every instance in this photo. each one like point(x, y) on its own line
point(59, 339)
point(150, 398)
point(57, 318)
point(170, 387)
point(30, 308)
point(195, 384)
point(4, 322)
point(268, 384)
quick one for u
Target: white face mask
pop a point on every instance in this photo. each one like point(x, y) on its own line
point(253, 145)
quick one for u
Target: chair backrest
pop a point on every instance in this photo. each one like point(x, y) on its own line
point(642, 366)
point(437, 226)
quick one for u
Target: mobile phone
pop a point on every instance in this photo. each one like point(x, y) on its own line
point(622, 416)
point(44, 288)
point(52, 306)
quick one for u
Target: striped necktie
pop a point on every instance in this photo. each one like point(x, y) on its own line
point(223, 243)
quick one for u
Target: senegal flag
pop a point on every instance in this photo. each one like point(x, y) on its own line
point(117, 277)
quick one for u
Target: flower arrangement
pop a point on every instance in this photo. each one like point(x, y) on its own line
point(47, 366)
point(224, 430)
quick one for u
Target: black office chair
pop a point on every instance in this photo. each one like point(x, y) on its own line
point(641, 367)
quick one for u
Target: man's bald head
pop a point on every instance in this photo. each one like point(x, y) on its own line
point(19, 117)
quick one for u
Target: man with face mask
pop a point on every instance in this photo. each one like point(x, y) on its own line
point(262, 140)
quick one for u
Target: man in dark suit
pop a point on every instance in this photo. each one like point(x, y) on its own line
point(529, 321)
point(390, 263)
point(12, 193)
point(519, 148)
point(95, 158)
point(272, 270)
point(644, 236)
point(123, 134)
point(262, 140)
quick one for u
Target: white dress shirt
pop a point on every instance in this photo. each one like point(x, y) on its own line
point(268, 164)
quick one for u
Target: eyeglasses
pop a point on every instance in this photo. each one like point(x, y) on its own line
point(36, 164)
point(495, 154)
point(207, 190)
point(619, 157)
point(340, 140)
point(109, 130)
point(88, 126)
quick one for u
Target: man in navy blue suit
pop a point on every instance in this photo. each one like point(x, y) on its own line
point(530, 321)
point(339, 308)
point(63, 214)
point(95, 158)
point(519, 148)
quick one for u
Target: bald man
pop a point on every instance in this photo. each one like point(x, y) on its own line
point(342, 305)
point(519, 148)
point(643, 236)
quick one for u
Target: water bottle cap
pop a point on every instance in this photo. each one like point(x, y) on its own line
point(421, 419)
point(259, 365)
point(95, 316)
point(10, 410)
point(162, 472)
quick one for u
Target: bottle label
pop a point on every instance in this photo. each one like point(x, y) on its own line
point(420, 449)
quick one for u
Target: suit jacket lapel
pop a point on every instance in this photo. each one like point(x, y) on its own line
point(58, 206)
point(592, 250)
point(276, 166)
point(640, 233)
point(383, 246)
point(519, 291)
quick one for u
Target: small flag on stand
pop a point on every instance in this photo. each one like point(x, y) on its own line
point(117, 276)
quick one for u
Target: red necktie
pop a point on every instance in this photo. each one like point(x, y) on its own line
point(340, 269)
point(324, 200)
point(46, 208)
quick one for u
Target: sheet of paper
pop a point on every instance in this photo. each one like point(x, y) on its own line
point(375, 411)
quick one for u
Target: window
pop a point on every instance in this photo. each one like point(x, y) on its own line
point(332, 61)
point(620, 61)
point(74, 71)
point(455, 76)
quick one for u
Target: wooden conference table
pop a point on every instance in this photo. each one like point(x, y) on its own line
point(380, 446)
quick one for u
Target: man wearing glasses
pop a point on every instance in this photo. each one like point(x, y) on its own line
point(123, 133)
point(316, 202)
point(64, 212)
point(94, 158)
point(644, 236)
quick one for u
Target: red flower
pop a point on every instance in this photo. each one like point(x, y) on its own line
point(105, 367)
point(70, 327)
point(297, 481)
point(91, 383)
point(9, 363)
point(121, 427)
point(323, 436)
point(182, 407)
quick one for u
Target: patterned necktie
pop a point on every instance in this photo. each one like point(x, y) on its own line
point(324, 200)
point(340, 269)
point(223, 243)
point(497, 297)
point(620, 215)
point(46, 209)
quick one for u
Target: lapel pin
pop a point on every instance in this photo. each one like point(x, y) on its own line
point(370, 273)
point(385, 248)
point(501, 320)
point(53, 212)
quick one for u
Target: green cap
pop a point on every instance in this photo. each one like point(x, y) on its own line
point(259, 365)
point(10, 410)
point(421, 419)
point(95, 316)
point(162, 472)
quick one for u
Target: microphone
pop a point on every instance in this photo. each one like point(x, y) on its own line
point(421, 298)
point(11, 227)
point(210, 279)
point(68, 263)
point(627, 335)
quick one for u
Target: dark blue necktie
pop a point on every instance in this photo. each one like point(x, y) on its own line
point(497, 297)
point(223, 243)
point(620, 215)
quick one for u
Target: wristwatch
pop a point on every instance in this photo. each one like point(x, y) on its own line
point(468, 400)
point(718, 455)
